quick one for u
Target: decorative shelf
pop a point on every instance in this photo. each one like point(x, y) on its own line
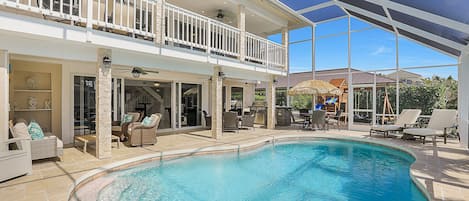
point(31, 110)
point(34, 90)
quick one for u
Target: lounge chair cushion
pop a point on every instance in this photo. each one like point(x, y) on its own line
point(387, 128)
point(20, 130)
point(35, 131)
point(423, 132)
point(127, 118)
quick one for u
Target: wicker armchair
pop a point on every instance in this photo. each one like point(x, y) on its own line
point(15, 163)
point(247, 120)
point(48, 147)
point(140, 134)
point(120, 130)
point(230, 121)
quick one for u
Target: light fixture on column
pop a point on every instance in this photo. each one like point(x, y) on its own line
point(275, 81)
point(136, 73)
point(221, 74)
point(107, 62)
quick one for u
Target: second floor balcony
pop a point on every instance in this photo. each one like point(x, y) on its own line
point(163, 23)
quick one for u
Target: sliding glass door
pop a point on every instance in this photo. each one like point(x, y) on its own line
point(191, 104)
point(84, 107)
point(149, 97)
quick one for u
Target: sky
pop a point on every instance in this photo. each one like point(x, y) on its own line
point(372, 49)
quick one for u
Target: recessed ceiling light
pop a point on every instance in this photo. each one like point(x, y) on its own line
point(224, 2)
point(203, 11)
point(156, 84)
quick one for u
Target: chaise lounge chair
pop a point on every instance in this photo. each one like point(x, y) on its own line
point(440, 122)
point(407, 118)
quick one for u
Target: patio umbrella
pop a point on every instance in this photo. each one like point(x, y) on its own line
point(314, 87)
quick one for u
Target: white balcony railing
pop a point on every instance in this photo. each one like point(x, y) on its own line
point(132, 17)
point(60, 9)
point(138, 18)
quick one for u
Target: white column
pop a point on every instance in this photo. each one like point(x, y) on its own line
point(227, 98)
point(463, 98)
point(103, 105)
point(217, 104)
point(350, 89)
point(397, 75)
point(313, 51)
point(313, 59)
point(242, 34)
point(174, 102)
point(270, 97)
point(4, 95)
point(286, 44)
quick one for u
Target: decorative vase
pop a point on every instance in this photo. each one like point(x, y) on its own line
point(47, 104)
point(31, 83)
point(32, 102)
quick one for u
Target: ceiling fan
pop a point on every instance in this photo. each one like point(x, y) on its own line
point(223, 16)
point(138, 71)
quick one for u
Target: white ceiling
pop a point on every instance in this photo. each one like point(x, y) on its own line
point(256, 20)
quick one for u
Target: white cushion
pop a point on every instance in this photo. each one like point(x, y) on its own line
point(423, 132)
point(20, 130)
point(386, 128)
point(442, 118)
point(408, 116)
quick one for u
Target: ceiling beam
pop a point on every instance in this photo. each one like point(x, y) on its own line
point(453, 24)
point(403, 26)
point(388, 15)
point(315, 7)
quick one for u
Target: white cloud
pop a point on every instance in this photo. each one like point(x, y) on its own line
point(381, 50)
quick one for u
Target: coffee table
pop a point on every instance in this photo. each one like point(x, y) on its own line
point(85, 139)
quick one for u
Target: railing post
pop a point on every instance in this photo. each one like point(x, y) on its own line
point(208, 36)
point(242, 33)
point(267, 55)
point(89, 19)
point(285, 39)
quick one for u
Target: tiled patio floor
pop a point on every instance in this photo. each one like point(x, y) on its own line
point(443, 170)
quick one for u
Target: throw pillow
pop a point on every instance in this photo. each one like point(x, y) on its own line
point(35, 131)
point(127, 119)
point(20, 130)
point(147, 121)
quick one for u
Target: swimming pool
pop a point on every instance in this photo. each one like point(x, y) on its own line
point(312, 170)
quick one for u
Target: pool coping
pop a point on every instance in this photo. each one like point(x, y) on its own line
point(227, 148)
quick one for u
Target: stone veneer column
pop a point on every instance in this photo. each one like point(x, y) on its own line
point(242, 34)
point(159, 23)
point(270, 96)
point(217, 103)
point(4, 95)
point(103, 106)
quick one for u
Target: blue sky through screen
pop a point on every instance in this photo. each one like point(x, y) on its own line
point(372, 49)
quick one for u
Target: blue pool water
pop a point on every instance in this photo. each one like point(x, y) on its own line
point(316, 170)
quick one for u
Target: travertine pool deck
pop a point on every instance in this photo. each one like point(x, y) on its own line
point(442, 169)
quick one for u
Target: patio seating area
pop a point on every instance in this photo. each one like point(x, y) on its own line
point(442, 169)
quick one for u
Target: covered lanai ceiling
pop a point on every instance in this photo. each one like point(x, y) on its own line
point(440, 24)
